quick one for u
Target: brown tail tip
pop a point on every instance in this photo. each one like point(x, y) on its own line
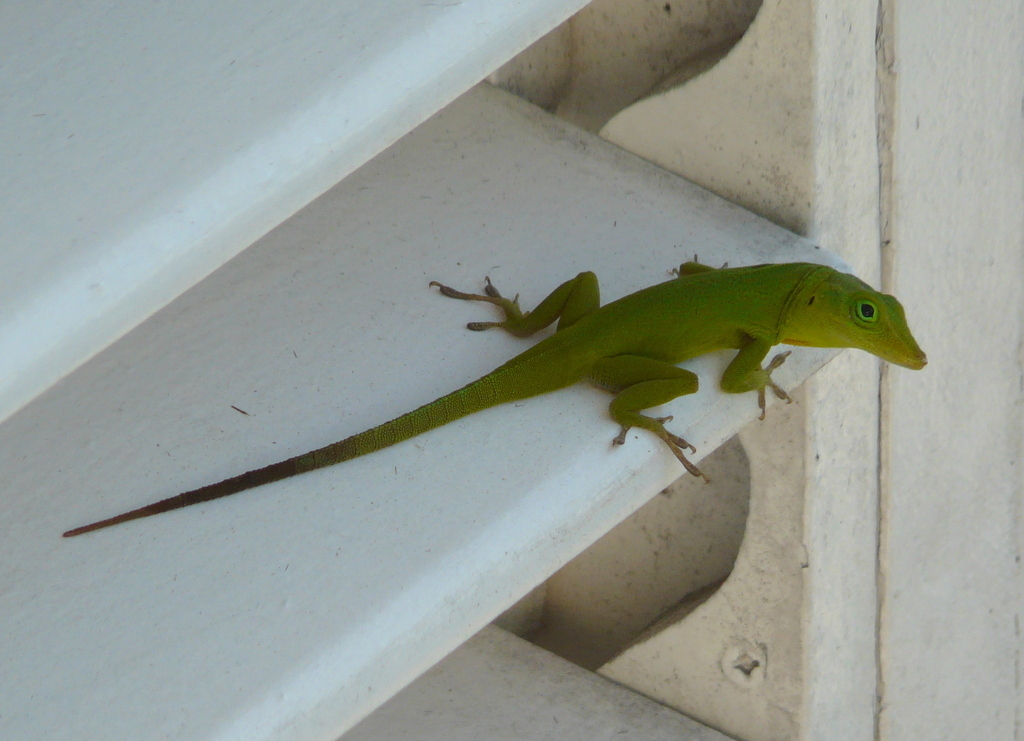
point(96, 526)
point(150, 509)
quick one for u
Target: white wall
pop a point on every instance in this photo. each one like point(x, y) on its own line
point(950, 573)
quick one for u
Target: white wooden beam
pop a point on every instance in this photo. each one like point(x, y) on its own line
point(500, 688)
point(145, 144)
point(291, 611)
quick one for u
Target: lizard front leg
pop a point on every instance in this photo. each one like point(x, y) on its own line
point(745, 373)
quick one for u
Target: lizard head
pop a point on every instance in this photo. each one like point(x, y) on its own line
point(833, 309)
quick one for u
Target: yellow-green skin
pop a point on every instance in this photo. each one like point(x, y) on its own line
point(630, 347)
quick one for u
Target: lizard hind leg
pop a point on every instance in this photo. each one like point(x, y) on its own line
point(640, 383)
point(568, 303)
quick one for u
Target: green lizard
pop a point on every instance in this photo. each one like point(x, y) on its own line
point(630, 348)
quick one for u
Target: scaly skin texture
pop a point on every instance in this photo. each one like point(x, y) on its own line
point(631, 348)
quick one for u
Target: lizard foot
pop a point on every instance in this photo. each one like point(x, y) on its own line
point(620, 439)
point(776, 362)
point(681, 457)
point(511, 308)
point(675, 443)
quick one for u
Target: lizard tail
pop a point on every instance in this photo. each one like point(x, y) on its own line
point(480, 394)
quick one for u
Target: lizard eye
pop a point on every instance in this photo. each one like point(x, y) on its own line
point(867, 311)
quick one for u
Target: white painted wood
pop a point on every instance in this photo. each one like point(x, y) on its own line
point(678, 547)
point(292, 611)
point(498, 687)
point(735, 661)
point(750, 138)
point(145, 144)
point(951, 641)
point(612, 53)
